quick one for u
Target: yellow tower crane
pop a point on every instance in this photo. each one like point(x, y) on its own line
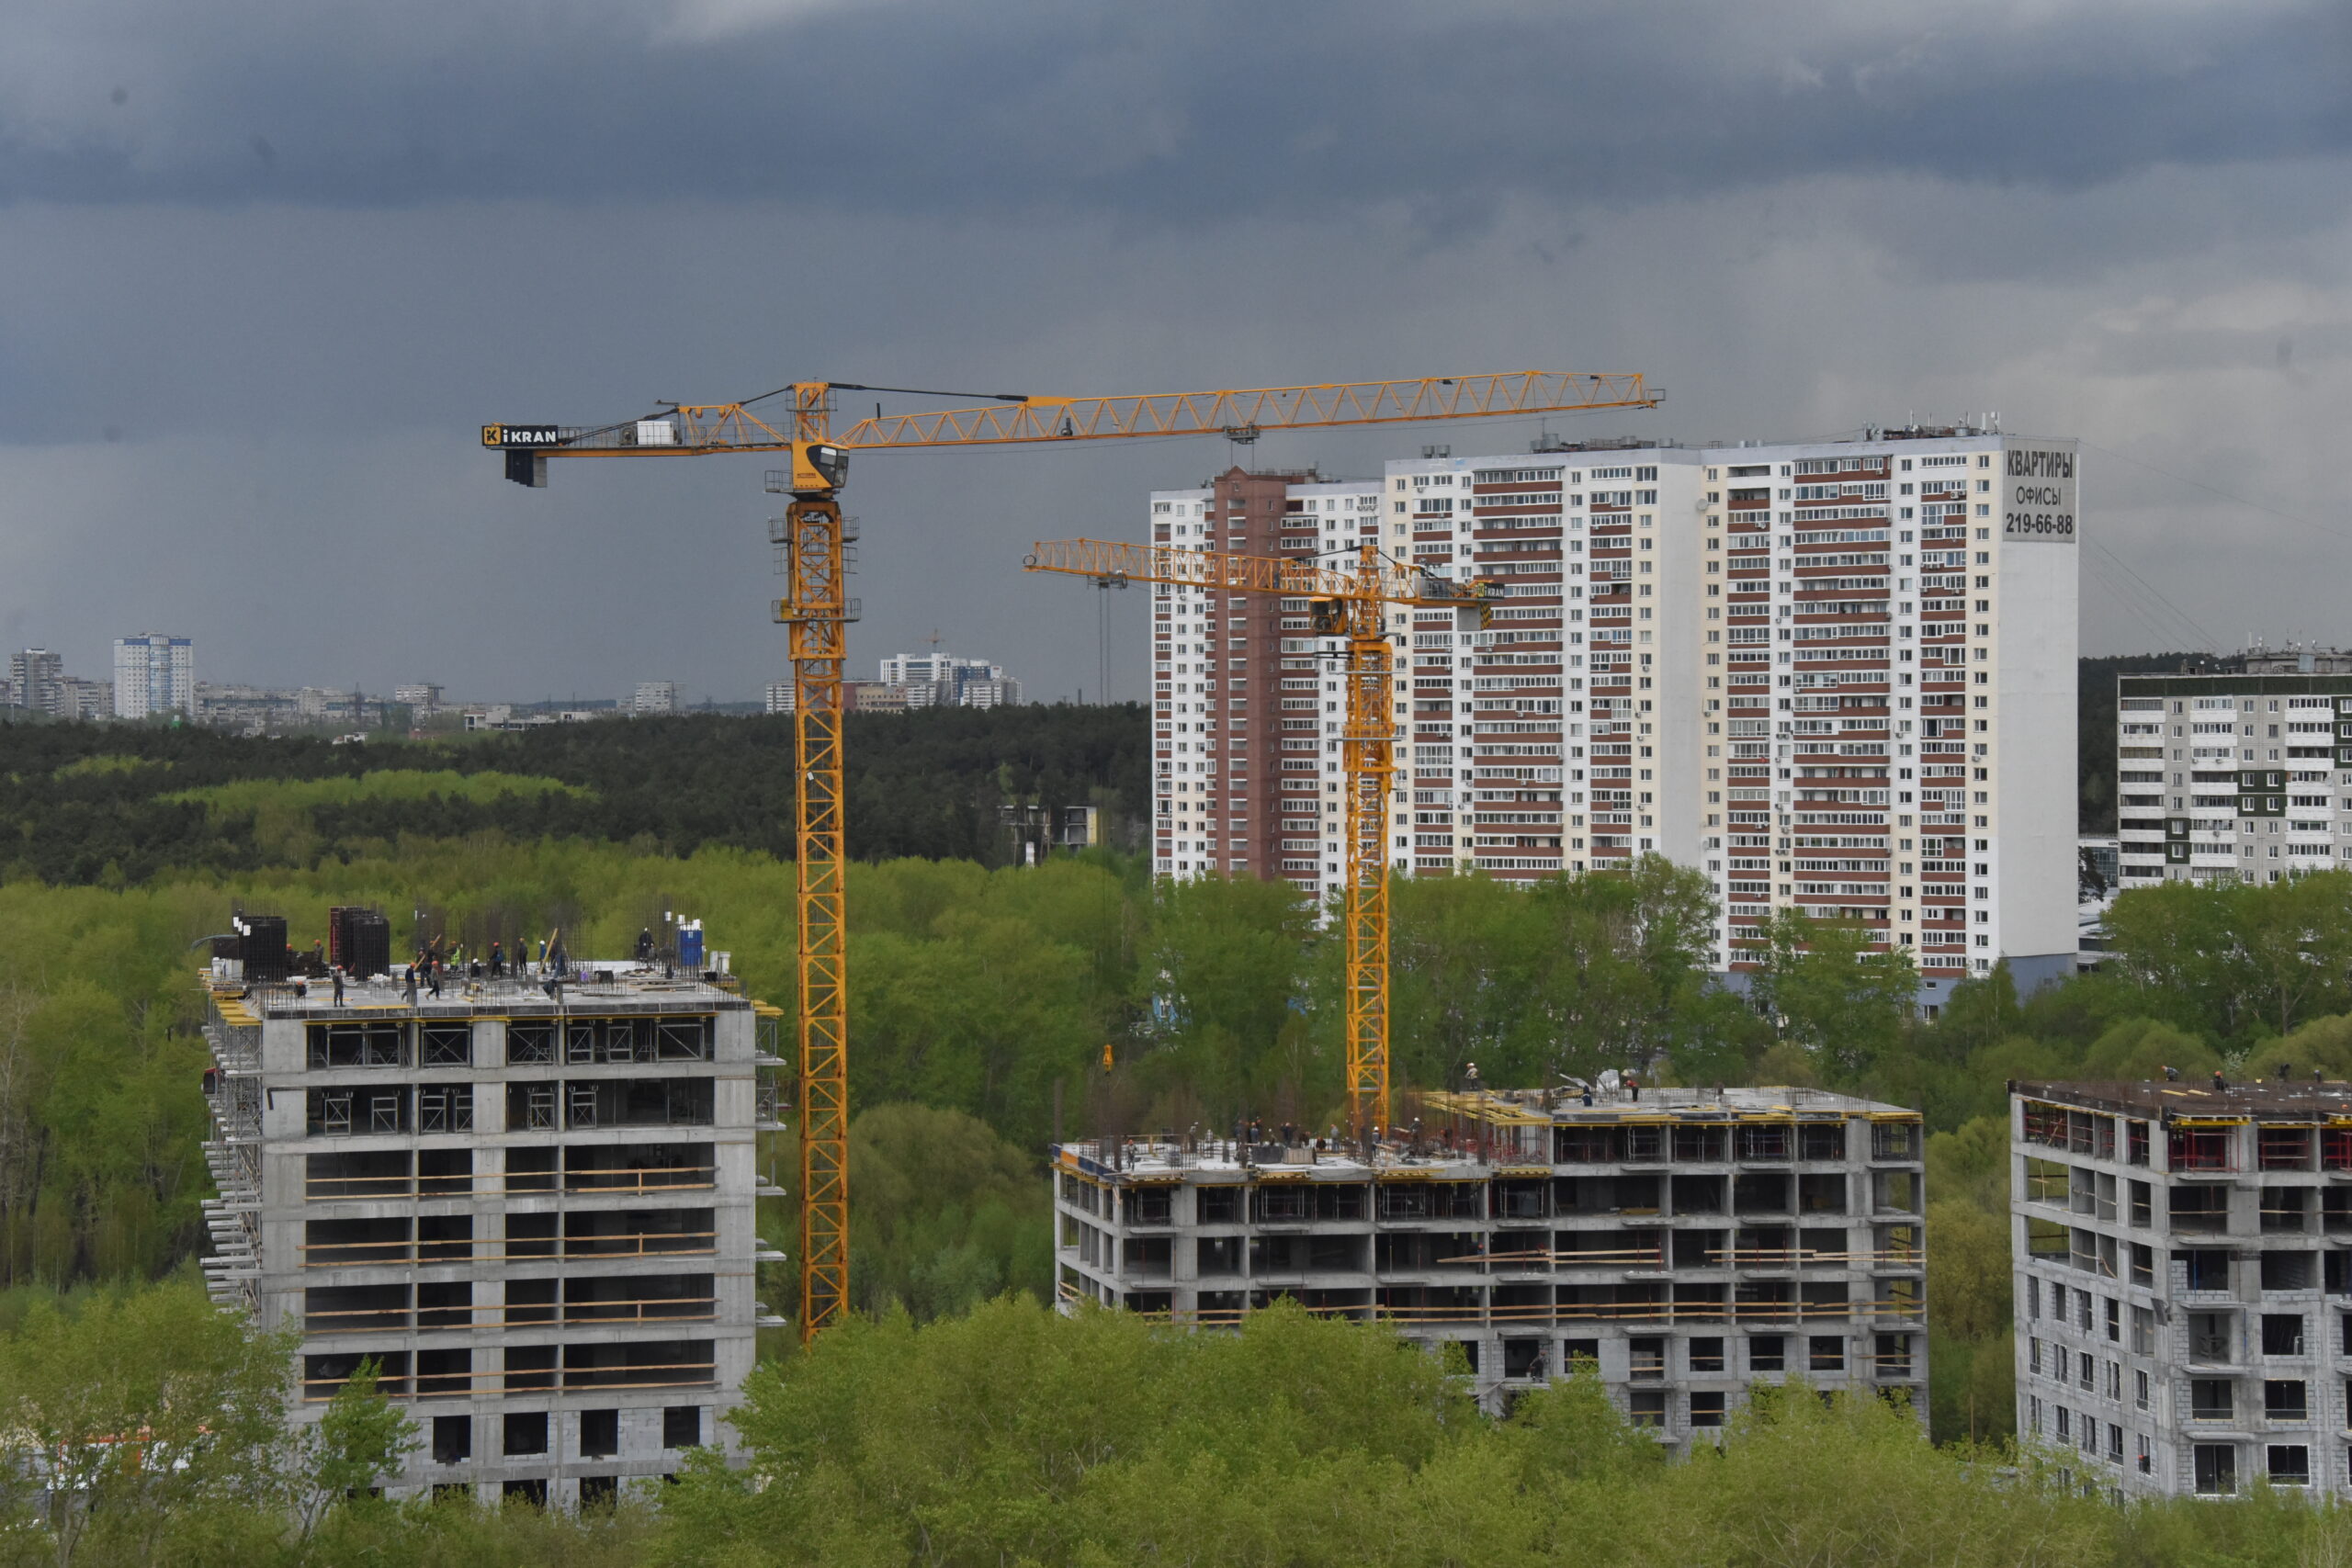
point(1341, 603)
point(816, 609)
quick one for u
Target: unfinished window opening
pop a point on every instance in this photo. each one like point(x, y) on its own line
point(2286, 1209)
point(1821, 1141)
point(445, 1173)
point(331, 1112)
point(453, 1440)
point(445, 1238)
point(1699, 1145)
point(642, 1103)
point(1767, 1353)
point(529, 1301)
point(445, 1045)
point(333, 1243)
point(324, 1375)
point(354, 1309)
point(445, 1108)
point(525, 1433)
point(2283, 1148)
point(647, 1167)
point(334, 1046)
point(631, 1232)
point(444, 1373)
point(531, 1108)
point(530, 1236)
point(648, 1363)
point(2289, 1270)
point(2285, 1399)
point(600, 1433)
point(2200, 1148)
point(530, 1369)
point(1699, 1194)
point(377, 1173)
point(1765, 1142)
point(531, 1043)
point(530, 1170)
point(1894, 1140)
point(448, 1304)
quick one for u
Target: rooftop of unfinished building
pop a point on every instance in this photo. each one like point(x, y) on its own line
point(1472, 1132)
point(595, 986)
point(2284, 1099)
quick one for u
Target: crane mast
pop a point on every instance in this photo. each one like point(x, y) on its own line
point(1352, 604)
point(815, 610)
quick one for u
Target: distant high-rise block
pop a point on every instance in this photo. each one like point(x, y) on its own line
point(153, 674)
point(35, 681)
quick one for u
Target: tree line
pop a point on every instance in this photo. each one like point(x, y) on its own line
point(147, 1429)
point(117, 805)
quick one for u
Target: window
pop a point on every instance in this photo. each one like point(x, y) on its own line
point(2282, 1334)
point(2208, 1399)
point(2216, 1469)
point(2290, 1464)
point(600, 1433)
point(453, 1440)
point(526, 1432)
point(1768, 1352)
point(1647, 1407)
point(1707, 1409)
point(1706, 1355)
point(682, 1427)
point(1828, 1354)
point(2283, 1399)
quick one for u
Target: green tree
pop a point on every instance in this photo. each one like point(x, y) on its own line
point(1829, 992)
point(129, 1413)
point(358, 1442)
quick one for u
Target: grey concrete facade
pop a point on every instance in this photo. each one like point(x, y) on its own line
point(535, 1212)
point(1691, 1244)
point(2182, 1323)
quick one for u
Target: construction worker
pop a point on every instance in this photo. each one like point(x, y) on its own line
point(337, 973)
point(497, 960)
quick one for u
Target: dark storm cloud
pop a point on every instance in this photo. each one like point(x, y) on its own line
point(1156, 111)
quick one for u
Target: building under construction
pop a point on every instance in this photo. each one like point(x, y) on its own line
point(527, 1199)
point(1687, 1243)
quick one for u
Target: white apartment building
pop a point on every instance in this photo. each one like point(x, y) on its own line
point(1825, 673)
point(783, 696)
point(153, 674)
point(654, 697)
point(2232, 777)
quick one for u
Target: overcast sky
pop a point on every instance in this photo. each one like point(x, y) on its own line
point(266, 268)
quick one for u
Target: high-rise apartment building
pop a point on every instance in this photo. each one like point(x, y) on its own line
point(654, 698)
point(35, 681)
point(2232, 777)
point(153, 674)
point(783, 696)
point(2180, 1282)
point(1834, 676)
point(530, 1204)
